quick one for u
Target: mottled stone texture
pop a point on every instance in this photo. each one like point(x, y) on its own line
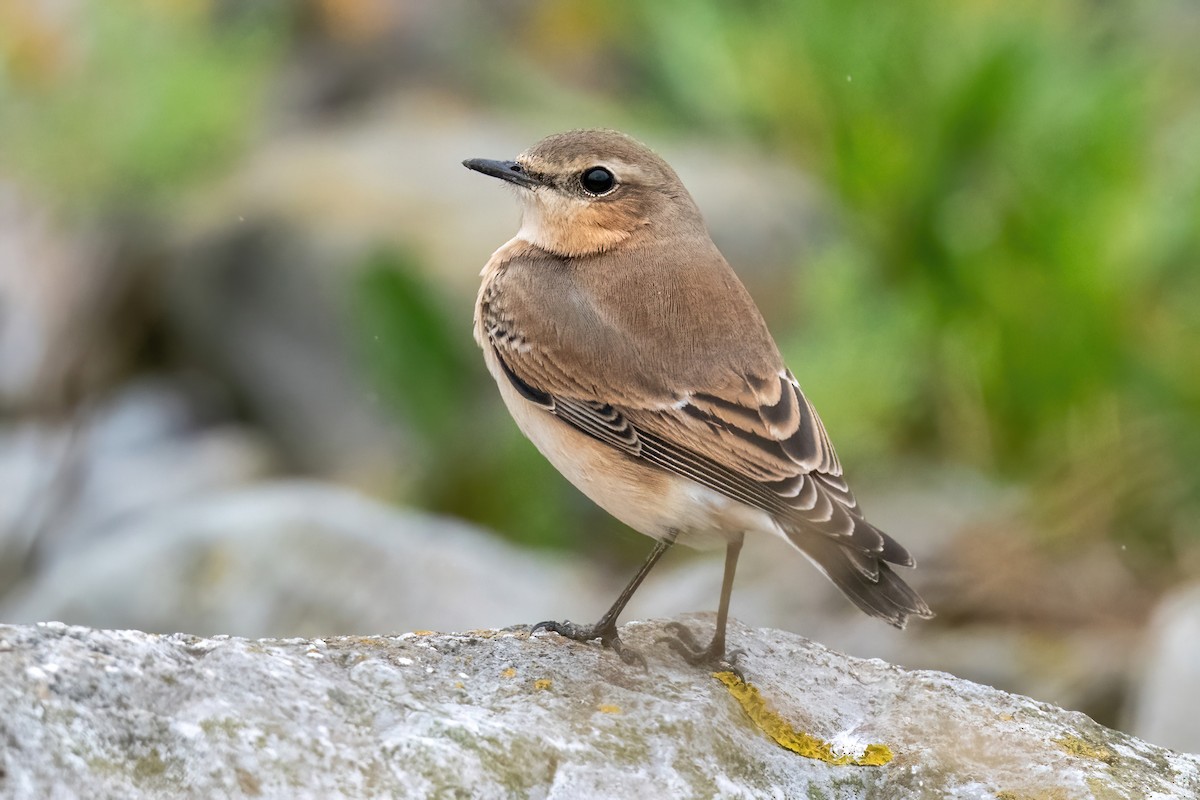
point(93, 713)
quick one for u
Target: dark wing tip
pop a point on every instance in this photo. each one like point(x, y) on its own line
point(885, 596)
point(895, 553)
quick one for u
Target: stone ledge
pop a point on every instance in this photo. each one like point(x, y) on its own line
point(94, 713)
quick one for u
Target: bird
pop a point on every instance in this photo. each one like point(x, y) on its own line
point(628, 351)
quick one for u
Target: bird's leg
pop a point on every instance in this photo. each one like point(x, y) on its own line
point(606, 629)
point(714, 655)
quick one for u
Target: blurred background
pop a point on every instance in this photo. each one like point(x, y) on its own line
point(238, 260)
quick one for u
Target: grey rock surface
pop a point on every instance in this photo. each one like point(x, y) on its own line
point(499, 714)
point(302, 558)
point(1167, 700)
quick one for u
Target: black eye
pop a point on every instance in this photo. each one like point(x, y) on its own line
point(597, 180)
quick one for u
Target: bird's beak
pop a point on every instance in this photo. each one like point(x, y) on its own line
point(509, 171)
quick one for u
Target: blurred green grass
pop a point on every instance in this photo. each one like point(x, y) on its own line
point(150, 98)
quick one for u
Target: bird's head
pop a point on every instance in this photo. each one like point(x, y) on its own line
point(591, 191)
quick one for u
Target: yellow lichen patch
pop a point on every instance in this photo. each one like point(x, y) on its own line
point(508, 672)
point(543, 684)
point(1049, 794)
point(605, 709)
point(423, 633)
point(483, 633)
point(1084, 749)
point(786, 736)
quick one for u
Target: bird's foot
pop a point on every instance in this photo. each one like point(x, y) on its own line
point(606, 632)
point(713, 657)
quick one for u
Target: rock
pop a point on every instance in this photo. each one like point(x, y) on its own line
point(302, 558)
point(266, 308)
point(1167, 697)
point(63, 485)
point(499, 714)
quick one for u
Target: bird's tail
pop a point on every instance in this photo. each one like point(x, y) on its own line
point(865, 578)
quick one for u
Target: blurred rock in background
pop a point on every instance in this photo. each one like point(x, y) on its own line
point(235, 292)
point(67, 486)
point(1168, 690)
point(303, 559)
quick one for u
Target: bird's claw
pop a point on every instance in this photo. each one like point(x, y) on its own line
point(713, 657)
point(607, 634)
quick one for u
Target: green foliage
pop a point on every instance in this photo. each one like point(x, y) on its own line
point(1013, 272)
point(416, 361)
point(149, 97)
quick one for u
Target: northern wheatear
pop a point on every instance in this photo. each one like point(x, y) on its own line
point(631, 355)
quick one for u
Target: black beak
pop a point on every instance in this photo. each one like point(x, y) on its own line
point(509, 171)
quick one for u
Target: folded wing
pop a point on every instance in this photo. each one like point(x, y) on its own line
point(756, 440)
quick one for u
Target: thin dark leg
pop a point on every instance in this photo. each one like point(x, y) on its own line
point(685, 642)
point(606, 629)
point(732, 552)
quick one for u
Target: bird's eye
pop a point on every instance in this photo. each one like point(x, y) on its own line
point(597, 180)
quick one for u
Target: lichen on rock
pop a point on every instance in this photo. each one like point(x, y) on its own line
point(127, 714)
point(786, 736)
